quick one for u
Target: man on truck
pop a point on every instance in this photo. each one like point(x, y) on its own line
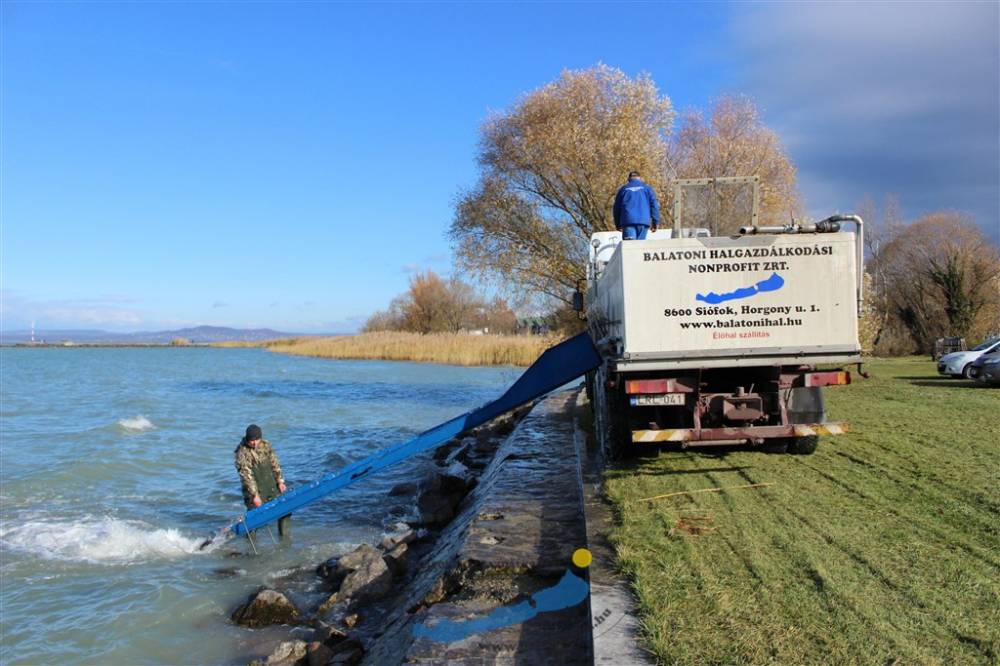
point(260, 473)
point(636, 208)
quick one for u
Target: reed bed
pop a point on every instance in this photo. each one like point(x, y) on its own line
point(450, 348)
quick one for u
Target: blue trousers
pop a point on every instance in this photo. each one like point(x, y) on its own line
point(634, 231)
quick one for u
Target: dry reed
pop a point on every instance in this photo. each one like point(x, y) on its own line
point(451, 348)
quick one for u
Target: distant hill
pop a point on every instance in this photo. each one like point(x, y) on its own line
point(197, 335)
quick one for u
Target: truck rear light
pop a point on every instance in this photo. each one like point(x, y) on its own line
point(638, 386)
point(834, 378)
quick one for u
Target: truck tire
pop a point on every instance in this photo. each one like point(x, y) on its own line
point(803, 446)
point(775, 446)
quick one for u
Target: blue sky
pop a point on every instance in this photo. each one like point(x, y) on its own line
point(290, 164)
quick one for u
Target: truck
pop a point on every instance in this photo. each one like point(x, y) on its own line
point(723, 340)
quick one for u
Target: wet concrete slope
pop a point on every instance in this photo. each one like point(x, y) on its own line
point(503, 560)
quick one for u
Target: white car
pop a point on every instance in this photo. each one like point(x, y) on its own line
point(959, 364)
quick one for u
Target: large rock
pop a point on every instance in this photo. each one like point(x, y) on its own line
point(404, 489)
point(368, 577)
point(348, 653)
point(318, 654)
point(327, 634)
point(331, 572)
point(289, 653)
point(392, 540)
point(437, 508)
point(396, 559)
point(456, 478)
point(266, 607)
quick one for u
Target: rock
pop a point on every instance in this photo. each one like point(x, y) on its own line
point(356, 559)
point(396, 559)
point(331, 572)
point(318, 654)
point(326, 634)
point(351, 620)
point(456, 479)
point(393, 540)
point(368, 575)
point(289, 653)
point(266, 607)
point(329, 603)
point(442, 453)
point(438, 508)
point(348, 653)
point(404, 489)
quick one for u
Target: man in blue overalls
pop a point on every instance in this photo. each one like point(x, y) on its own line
point(635, 208)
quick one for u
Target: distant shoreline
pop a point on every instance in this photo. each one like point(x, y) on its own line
point(72, 345)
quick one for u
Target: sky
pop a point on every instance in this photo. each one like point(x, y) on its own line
point(290, 165)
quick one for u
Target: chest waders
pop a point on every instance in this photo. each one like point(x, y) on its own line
point(267, 490)
point(263, 476)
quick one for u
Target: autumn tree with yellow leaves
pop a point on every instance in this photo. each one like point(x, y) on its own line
point(551, 164)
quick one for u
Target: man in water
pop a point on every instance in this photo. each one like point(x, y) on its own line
point(260, 473)
point(635, 207)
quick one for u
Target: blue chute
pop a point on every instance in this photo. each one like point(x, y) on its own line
point(556, 366)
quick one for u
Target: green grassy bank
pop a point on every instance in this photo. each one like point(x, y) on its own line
point(881, 548)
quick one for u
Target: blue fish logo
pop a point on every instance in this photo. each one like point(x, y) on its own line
point(773, 283)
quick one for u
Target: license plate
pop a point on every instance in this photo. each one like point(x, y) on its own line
point(660, 400)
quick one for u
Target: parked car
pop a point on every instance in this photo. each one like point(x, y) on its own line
point(959, 364)
point(989, 371)
point(977, 365)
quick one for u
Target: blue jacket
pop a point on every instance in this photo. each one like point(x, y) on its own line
point(636, 204)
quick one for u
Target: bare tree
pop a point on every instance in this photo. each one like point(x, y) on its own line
point(434, 305)
point(732, 141)
point(942, 278)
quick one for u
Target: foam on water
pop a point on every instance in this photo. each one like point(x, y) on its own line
point(104, 540)
point(136, 423)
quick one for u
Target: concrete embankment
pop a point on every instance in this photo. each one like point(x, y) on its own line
point(513, 537)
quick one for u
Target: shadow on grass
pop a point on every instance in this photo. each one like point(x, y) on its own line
point(951, 384)
point(640, 470)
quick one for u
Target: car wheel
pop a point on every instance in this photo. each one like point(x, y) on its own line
point(967, 371)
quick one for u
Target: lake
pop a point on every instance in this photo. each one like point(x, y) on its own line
point(117, 463)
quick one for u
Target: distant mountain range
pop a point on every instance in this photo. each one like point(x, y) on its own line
point(196, 335)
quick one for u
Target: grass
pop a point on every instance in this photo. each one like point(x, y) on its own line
point(452, 348)
point(881, 548)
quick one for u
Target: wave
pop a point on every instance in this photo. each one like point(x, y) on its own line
point(137, 423)
point(104, 540)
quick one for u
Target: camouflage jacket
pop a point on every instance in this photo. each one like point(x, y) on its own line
point(247, 459)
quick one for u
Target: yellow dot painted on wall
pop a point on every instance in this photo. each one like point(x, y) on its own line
point(582, 558)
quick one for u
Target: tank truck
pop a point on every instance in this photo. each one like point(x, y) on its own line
point(719, 340)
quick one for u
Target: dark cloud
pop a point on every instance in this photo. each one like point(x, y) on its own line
point(876, 98)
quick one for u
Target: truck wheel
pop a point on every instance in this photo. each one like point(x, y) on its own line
point(803, 446)
point(775, 446)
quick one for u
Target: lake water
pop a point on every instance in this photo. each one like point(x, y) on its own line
point(116, 463)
